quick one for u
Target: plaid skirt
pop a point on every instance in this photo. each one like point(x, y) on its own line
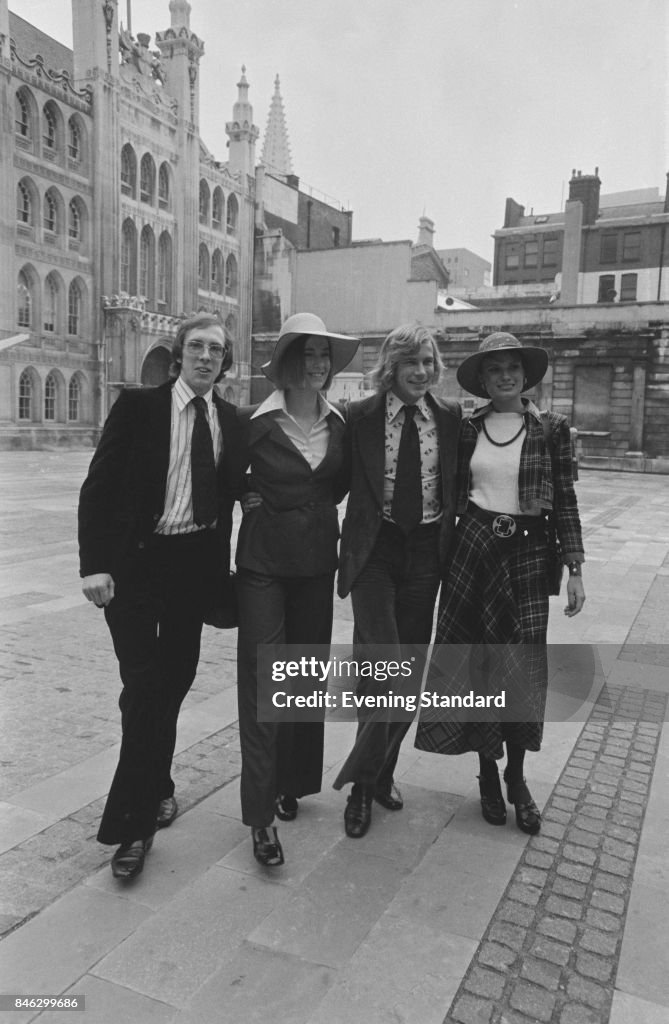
point(490, 639)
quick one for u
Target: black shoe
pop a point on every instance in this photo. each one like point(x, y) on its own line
point(128, 861)
point(167, 812)
point(285, 807)
point(389, 797)
point(358, 812)
point(528, 815)
point(493, 807)
point(266, 847)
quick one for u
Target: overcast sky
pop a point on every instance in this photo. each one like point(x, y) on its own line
point(442, 107)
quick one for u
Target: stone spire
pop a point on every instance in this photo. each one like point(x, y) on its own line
point(241, 131)
point(276, 147)
point(180, 12)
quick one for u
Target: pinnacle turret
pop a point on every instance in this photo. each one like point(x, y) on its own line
point(276, 147)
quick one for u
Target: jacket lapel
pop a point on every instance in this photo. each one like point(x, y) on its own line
point(371, 436)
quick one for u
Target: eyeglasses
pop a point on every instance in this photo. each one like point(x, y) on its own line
point(197, 348)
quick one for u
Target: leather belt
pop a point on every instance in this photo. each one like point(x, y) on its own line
point(506, 526)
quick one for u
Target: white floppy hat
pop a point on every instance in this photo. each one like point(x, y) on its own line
point(342, 346)
point(535, 362)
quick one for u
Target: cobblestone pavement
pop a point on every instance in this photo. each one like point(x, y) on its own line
point(560, 941)
point(551, 949)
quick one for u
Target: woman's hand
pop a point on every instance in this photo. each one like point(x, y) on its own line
point(249, 501)
point(575, 596)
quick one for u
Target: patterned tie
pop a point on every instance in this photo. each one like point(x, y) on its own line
point(407, 504)
point(203, 467)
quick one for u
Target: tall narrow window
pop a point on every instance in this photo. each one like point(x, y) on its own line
point(128, 171)
point(24, 302)
point(74, 222)
point(217, 207)
point(73, 399)
point(165, 270)
point(147, 179)
point(50, 213)
point(146, 263)
point(73, 308)
point(628, 283)
point(233, 213)
point(22, 117)
point(217, 272)
point(74, 141)
point(549, 256)
point(607, 288)
point(25, 396)
point(204, 202)
point(24, 213)
point(50, 305)
point(531, 253)
point(50, 391)
point(608, 248)
point(203, 269)
point(50, 137)
point(231, 277)
point(129, 258)
point(163, 187)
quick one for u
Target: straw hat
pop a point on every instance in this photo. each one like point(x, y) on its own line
point(535, 362)
point(342, 346)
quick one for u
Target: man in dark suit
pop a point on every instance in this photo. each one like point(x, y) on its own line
point(398, 525)
point(155, 518)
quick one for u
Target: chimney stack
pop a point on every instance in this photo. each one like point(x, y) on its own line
point(586, 187)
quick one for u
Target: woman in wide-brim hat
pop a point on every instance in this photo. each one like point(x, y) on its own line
point(514, 467)
point(286, 560)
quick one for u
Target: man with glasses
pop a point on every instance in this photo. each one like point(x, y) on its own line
point(155, 518)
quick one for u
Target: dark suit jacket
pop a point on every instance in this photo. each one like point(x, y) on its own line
point(366, 457)
point(295, 530)
point(123, 496)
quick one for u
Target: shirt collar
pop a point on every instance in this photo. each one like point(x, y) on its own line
point(184, 394)
point(395, 404)
point(530, 408)
point(276, 402)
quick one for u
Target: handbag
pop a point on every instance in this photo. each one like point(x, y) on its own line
point(553, 546)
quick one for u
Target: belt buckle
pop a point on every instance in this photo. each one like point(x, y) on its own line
point(504, 526)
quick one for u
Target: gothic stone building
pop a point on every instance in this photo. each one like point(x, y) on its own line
point(115, 219)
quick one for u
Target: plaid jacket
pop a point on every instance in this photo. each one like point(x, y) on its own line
point(540, 484)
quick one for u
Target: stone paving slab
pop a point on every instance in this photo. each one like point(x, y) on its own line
point(551, 949)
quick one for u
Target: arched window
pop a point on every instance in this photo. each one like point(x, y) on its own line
point(24, 206)
point(164, 187)
point(26, 396)
point(231, 277)
point(204, 202)
point(50, 136)
point(129, 258)
point(74, 141)
point(203, 268)
point(50, 213)
point(217, 208)
point(147, 259)
point(217, 272)
point(74, 399)
point(50, 392)
point(22, 117)
point(165, 270)
point(74, 221)
point(233, 215)
point(231, 326)
point(24, 302)
point(50, 304)
point(128, 171)
point(73, 309)
point(147, 179)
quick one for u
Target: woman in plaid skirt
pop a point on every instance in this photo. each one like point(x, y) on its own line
point(514, 465)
